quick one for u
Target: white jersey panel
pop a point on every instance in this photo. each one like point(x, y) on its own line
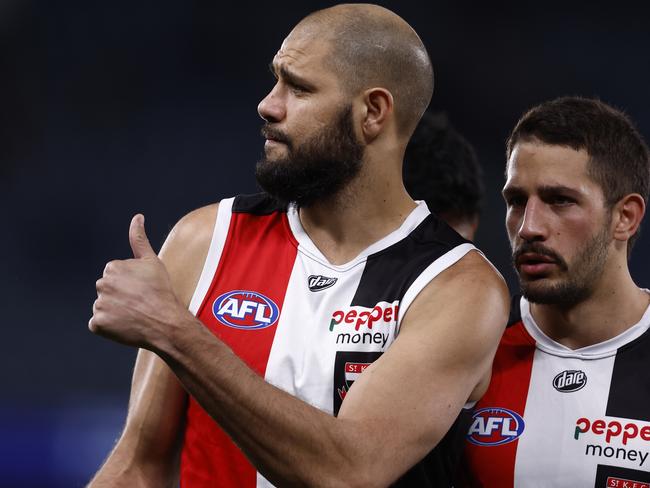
point(217, 243)
point(547, 454)
point(302, 356)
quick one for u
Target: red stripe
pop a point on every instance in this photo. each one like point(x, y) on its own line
point(258, 256)
point(495, 465)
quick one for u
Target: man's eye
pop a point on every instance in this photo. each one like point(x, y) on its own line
point(516, 201)
point(562, 200)
point(298, 90)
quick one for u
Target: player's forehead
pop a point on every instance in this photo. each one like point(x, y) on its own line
point(533, 164)
point(301, 50)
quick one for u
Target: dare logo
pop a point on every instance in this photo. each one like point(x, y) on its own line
point(247, 310)
point(494, 426)
point(320, 282)
point(569, 381)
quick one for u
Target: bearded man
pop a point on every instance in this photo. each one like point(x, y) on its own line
point(568, 402)
point(335, 328)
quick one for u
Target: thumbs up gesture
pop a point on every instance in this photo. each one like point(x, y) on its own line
point(135, 302)
point(139, 240)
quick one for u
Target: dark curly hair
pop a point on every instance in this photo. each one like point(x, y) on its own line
point(441, 168)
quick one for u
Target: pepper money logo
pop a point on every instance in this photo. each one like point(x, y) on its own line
point(246, 310)
point(354, 325)
point(494, 426)
point(627, 440)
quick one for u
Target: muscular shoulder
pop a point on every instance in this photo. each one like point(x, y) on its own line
point(474, 272)
point(186, 248)
point(461, 314)
point(194, 230)
point(471, 290)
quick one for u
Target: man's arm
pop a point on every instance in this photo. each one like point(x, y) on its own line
point(398, 410)
point(147, 453)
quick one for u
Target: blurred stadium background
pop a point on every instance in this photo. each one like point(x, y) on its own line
point(112, 108)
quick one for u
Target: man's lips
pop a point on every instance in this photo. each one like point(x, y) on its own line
point(530, 257)
point(269, 143)
point(274, 136)
point(532, 263)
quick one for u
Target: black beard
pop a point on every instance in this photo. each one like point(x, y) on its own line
point(317, 169)
point(581, 275)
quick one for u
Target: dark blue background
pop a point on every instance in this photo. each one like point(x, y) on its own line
point(112, 108)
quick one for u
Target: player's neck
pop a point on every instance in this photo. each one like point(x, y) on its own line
point(616, 304)
point(363, 213)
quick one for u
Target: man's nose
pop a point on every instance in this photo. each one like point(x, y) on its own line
point(533, 225)
point(272, 107)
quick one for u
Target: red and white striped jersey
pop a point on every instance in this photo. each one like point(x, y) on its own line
point(307, 326)
point(556, 417)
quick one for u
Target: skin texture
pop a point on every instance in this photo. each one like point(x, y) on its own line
point(390, 418)
point(552, 204)
point(147, 453)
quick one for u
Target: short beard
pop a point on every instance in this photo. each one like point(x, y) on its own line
point(315, 170)
point(581, 275)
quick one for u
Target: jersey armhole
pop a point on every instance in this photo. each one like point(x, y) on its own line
point(433, 270)
point(221, 227)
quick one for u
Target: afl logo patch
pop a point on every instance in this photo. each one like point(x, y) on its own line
point(246, 310)
point(570, 380)
point(494, 426)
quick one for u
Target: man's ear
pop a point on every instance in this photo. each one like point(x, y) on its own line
point(378, 111)
point(627, 215)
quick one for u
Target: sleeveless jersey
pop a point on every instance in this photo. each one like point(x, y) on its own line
point(556, 417)
point(307, 326)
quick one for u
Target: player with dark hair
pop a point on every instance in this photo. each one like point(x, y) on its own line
point(441, 168)
point(335, 328)
point(568, 401)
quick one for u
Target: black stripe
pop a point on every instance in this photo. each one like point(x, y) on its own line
point(603, 472)
point(515, 310)
point(439, 468)
point(389, 273)
point(629, 393)
point(387, 276)
point(257, 204)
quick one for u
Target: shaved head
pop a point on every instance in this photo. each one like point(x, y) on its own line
point(373, 47)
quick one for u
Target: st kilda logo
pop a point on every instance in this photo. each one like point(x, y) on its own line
point(320, 282)
point(570, 380)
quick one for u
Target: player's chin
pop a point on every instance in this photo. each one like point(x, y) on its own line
point(274, 159)
point(540, 290)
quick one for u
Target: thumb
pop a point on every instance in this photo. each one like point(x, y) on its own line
point(138, 238)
